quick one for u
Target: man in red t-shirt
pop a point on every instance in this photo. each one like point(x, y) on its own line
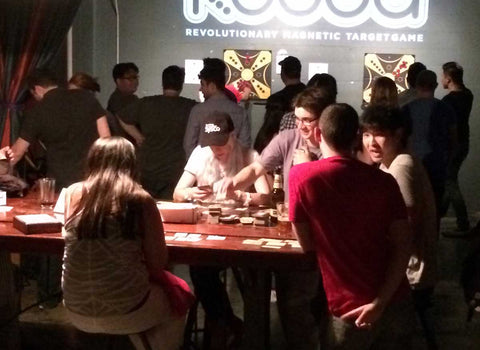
point(353, 216)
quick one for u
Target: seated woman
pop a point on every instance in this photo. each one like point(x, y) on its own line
point(218, 156)
point(114, 243)
point(385, 135)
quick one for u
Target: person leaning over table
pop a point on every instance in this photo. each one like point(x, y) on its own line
point(300, 296)
point(67, 122)
point(115, 254)
point(218, 155)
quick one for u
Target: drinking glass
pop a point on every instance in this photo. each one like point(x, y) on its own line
point(47, 192)
point(282, 210)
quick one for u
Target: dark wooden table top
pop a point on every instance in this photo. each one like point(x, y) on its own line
point(275, 250)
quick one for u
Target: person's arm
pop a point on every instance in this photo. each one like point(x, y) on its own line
point(18, 149)
point(72, 198)
point(261, 196)
point(154, 246)
point(248, 175)
point(400, 236)
point(304, 236)
point(185, 191)
point(102, 127)
point(133, 131)
point(190, 140)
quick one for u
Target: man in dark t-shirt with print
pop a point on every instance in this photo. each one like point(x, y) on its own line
point(162, 120)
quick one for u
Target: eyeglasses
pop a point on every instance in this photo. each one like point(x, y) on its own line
point(306, 122)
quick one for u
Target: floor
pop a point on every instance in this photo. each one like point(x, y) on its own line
point(49, 329)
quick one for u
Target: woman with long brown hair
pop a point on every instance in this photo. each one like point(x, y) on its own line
point(114, 243)
point(384, 93)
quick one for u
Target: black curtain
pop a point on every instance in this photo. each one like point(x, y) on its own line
point(31, 34)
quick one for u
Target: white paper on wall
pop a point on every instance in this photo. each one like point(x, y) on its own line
point(192, 69)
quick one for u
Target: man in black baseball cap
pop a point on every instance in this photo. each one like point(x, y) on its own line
point(291, 67)
point(290, 75)
point(218, 155)
point(217, 127)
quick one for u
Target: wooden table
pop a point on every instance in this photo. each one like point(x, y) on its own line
point(257, 260)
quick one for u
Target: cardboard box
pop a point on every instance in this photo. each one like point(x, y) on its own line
point(37, 223)
point(179, 213)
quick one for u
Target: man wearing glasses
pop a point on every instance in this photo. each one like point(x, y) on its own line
point(125, 76)
point(289, 147)
point(299, 293)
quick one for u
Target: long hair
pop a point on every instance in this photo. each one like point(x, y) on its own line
point(384, 93)
point(109, 190)
point(214, 171)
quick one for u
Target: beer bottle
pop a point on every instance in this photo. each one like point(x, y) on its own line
point(278, 195)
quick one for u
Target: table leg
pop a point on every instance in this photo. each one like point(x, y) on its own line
point(258, 284)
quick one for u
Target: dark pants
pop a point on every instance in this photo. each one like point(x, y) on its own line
point(452, 193)
point(47, 270)
point(211, 292)
point(423, 302)
point(302, 307)
point(436, 172)
point(393, 331)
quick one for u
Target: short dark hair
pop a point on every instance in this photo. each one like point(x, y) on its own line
point(214, 72)
point(314, 100)
point(324, 81)
point(42, 77)
point(120, 69)
point(339, 126)
point(413, 71)
point(173, 78)
point(427, 80)
point(382, 118)
point(454, 71)
point(291, 67)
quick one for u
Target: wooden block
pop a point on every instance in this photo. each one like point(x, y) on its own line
point(37, 223)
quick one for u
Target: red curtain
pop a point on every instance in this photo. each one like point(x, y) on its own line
point(31, 34)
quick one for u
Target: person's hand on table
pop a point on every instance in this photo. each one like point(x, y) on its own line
point(224, 189)
point(199, 193)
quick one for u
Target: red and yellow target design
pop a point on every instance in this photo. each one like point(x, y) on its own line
point(252, 66)
point(393, 66)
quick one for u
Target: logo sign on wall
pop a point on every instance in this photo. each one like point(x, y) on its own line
point(393, 14)
point(393, 66)
point(252, 67)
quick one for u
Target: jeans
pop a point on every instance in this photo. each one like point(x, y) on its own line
point(452, 189)
point(302, 307)
point(393, 331)
point(423, 302)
